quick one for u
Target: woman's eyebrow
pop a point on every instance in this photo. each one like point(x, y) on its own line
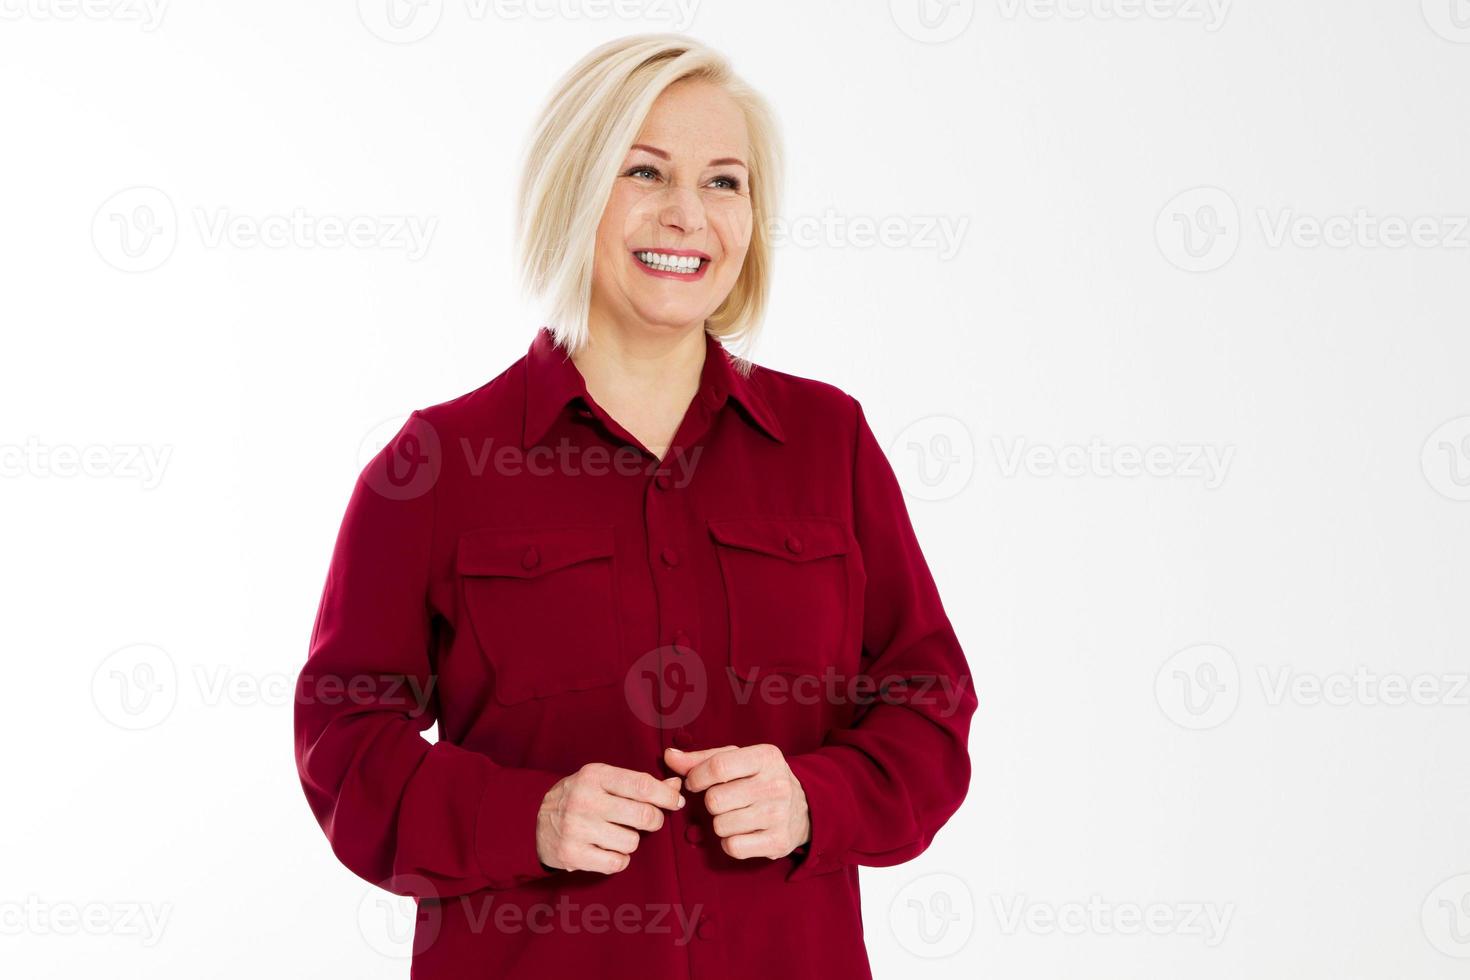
point(719, 162)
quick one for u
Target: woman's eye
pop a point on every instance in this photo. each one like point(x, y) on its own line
point(729, 182)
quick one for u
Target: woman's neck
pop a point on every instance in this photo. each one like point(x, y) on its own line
point(644, 378)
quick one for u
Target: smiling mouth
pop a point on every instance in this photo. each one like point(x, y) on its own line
point(689, 265)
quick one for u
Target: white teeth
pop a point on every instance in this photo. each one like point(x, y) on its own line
point(669, 263)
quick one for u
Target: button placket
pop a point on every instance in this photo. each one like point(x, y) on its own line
point(666, 525)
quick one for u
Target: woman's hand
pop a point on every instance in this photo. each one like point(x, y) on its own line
point(590, 820)
point(759, 807)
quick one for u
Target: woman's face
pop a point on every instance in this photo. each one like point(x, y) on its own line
point(683, 191)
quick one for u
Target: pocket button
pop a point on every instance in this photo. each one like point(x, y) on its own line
point(793, 544)
point(531, 558)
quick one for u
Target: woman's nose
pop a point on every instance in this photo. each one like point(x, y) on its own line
point(681, 209)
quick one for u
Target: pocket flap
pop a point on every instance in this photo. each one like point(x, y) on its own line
point(528, 552)
point(792, 538)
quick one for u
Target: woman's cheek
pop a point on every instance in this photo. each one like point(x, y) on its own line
point(731, 218)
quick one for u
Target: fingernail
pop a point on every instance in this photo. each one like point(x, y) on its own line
point(681, 802)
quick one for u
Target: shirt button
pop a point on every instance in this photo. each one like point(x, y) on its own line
point(531, 558)
point(706, 929)
point(694, 833)
point(683, 740)
point(670, 557)
point(793, 544)
point(662, 481)
point(681, 638)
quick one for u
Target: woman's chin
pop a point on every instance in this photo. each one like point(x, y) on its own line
point(672, 317)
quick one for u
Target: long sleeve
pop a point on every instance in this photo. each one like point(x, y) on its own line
point(421, 819)
point(880, 789)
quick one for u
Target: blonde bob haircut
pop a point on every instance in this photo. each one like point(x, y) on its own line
point(579, 142)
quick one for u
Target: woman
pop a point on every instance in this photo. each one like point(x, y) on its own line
point(688, 665)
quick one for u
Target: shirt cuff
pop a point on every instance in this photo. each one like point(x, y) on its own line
point(505, 832)
point(832, 810)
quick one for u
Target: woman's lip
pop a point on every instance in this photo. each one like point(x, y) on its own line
point(694, 276)
point(676, 251)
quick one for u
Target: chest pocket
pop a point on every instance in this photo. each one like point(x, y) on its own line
point(791, 586)
point(541, 604)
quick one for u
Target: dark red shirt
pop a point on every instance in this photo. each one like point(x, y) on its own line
point(515, 566)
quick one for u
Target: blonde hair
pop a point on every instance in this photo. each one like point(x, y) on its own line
point(580, 140)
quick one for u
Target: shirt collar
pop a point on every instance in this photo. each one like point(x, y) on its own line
point(552, 381)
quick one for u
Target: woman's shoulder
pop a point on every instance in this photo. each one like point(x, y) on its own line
point(497, 402)
point(802, 397)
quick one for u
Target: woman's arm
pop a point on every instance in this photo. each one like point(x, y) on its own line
point(429, 820)
point(879, 790)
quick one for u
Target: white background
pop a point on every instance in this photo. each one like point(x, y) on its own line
point(1227, 699)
